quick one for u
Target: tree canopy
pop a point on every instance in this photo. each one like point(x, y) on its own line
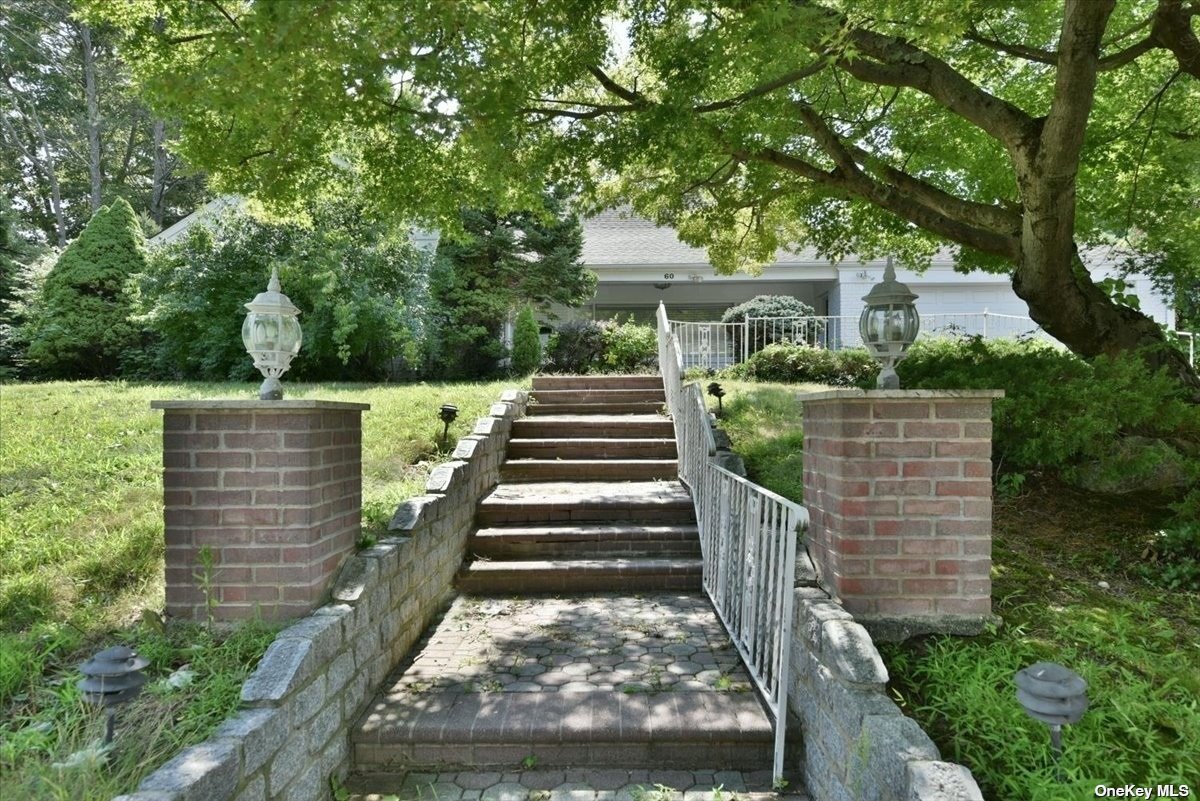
point(1016, 134)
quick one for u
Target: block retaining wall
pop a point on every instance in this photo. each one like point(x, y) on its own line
point(316, 678)
point(857, 744)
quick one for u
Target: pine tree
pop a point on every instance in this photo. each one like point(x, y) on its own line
point(527, 346)
point(504, 261)
point(80, 327)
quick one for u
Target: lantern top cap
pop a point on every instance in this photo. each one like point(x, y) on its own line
point(273, 300)
point(889, 290)
point(1044, 675)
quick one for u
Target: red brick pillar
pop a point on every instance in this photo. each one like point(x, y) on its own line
point(898, 486)
point(271, 491)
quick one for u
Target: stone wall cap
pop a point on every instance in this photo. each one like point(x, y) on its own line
point(899, 394)
point(258, 405)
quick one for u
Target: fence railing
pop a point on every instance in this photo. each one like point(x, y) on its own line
point(748, 540)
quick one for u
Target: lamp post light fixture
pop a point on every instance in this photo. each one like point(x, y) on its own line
point(111, 678)
point(717, 392)
point(889, 324)
point(448, 413)
point(271, 334)
point(1055, 695)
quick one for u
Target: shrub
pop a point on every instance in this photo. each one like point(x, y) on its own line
point(79, 325)
point(357, 287)
point(789, 363)
point(628, 347)
point(527, 346)
point(1068, 416)
point(576, 347)
point(1174, 558)
point(782, 331)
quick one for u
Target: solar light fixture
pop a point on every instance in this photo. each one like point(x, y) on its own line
point(111, 678)
point(447, 414)
point(717, 392)
point(1056, 696)
point(889, 324)
point(271, 334)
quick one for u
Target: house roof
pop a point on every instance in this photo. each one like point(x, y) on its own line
point(619, 237)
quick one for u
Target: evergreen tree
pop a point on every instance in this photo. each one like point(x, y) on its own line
point(527, 347)
point(80, 327)
point(504, 261)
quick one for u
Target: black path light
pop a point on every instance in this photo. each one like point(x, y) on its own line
point(717, 392)
point(448, 413)
point(1056, 696)
point(111, 678)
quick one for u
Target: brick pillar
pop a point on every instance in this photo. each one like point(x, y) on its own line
point(273, 490)
point(898, 485)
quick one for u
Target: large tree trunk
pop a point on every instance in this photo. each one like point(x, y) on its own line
point(93, 117)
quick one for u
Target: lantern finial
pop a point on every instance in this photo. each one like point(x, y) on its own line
point(889, 324)
point(272, 336)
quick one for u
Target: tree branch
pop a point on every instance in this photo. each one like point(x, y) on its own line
point(1173, 31)
point(764, 88)
point(1019, 50)
point(628, 95)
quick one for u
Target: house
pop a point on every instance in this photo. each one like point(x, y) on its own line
point(640, 264)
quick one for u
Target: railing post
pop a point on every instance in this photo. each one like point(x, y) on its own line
point(985, 324)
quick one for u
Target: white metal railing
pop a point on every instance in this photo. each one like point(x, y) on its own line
point(712, 345)
point(1191, 338)
point(748, 538)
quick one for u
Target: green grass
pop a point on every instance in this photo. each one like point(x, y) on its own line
point(81, 546)
point(764, 422)
point(1138, 647)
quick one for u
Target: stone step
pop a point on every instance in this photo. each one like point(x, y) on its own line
point(605, 408)
point(529, 542)
point(586, 502)
point(597, 382)
point(552, 396)
point(682, 730)
point(589, 469)
point(619, 426)
point(501, 577)
point(591, 448)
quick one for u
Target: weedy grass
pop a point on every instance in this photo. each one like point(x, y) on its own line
point(1137, 646)
point(81, 543)
point(764, 422)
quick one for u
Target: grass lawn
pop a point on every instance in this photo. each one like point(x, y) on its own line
point(81, 562)
point(1137, 645)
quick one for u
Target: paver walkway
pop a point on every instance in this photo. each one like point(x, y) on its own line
point(600, 784)
point(627, 674)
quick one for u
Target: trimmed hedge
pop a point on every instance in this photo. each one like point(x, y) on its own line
point(804, 364)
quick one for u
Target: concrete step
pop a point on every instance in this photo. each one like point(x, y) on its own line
point(589, 470)
point(548, 542)
point(620, 426)
point(586, 502)
point(503, 577)
point(605, 408)
point(597, 382)
point(682, 730)
point(540, 396)
point(592, 448)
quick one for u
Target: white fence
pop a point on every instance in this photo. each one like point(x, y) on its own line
point(748, 538)
point(715, 345)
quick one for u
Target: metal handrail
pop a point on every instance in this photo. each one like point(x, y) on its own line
point(748, 541)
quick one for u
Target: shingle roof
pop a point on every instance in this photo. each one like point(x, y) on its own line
point(618, 237)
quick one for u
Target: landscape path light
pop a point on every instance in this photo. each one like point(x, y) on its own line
point(1056, 696)
point(718, 392)
point(271, 334)
point(111, 678)
point(448, 413)
point(889, 324)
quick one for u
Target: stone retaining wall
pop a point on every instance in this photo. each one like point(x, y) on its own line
point(858, 746)
point(316, 678)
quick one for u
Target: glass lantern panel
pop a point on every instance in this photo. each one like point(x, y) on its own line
point(290, 335)
point(266, 332)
